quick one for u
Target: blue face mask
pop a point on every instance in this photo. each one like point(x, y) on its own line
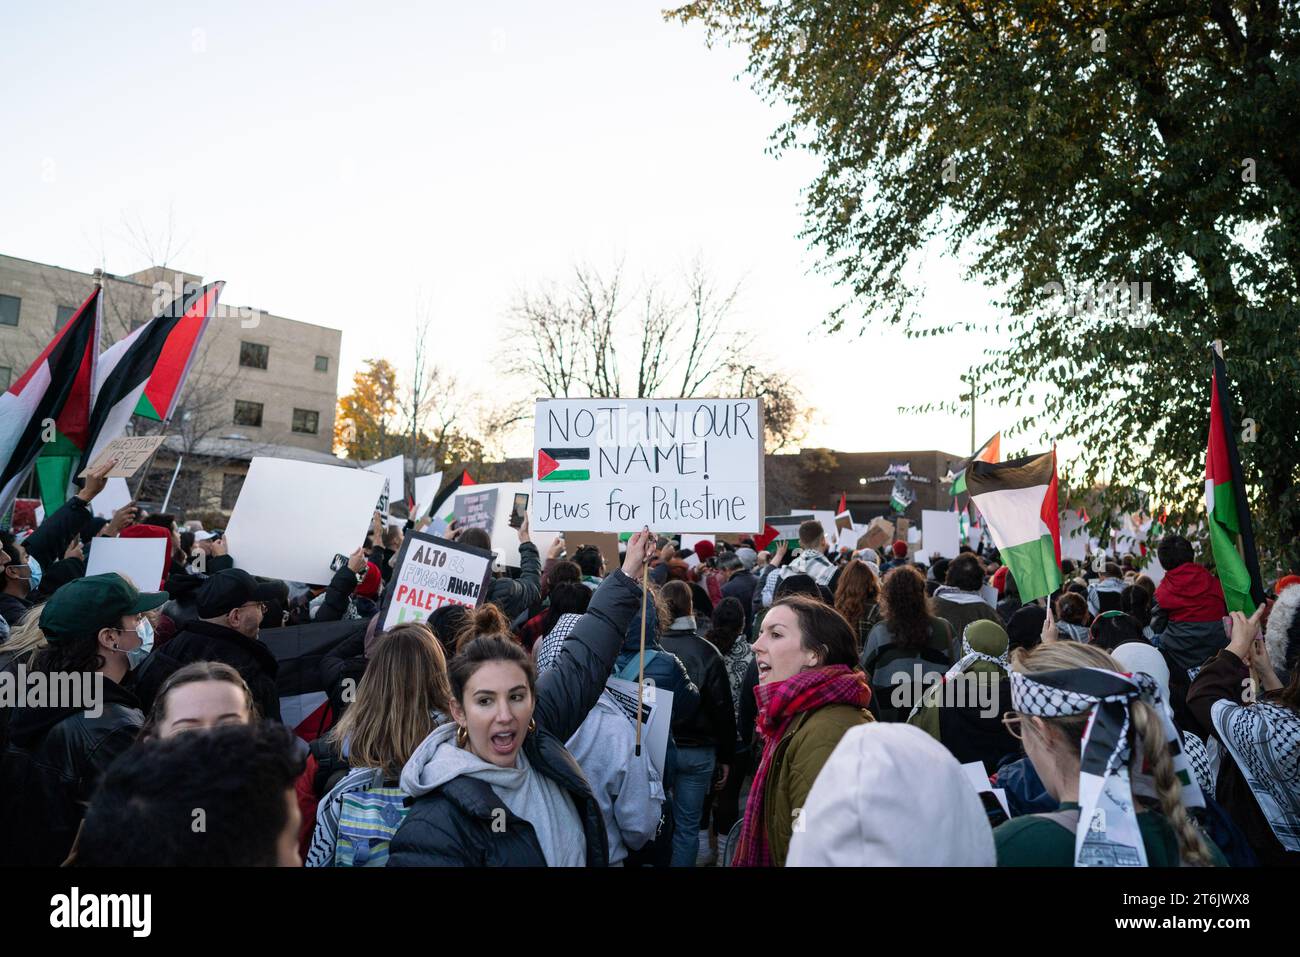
point(35, 566)
point(136, 656)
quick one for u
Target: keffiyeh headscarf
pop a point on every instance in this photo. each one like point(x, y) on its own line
point(549, 652)
point(1108, 833)
point(987, 634)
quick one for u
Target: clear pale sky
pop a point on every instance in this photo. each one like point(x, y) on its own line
point(342, 163)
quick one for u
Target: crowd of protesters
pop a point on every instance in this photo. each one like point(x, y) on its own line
point(815, 717)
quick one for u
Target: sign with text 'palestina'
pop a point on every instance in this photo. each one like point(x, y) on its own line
point(431, 572)
point(610, 465)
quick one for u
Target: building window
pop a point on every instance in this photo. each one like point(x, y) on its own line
point(304, 420)
point(9, 310)
point(6, 374)
point(253, 355)
point(231, 483)
point(248, 413)
point(322, 363)
point(64, 314)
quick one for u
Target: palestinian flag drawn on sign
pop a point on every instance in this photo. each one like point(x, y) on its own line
point(1018, 500)
point(56, 388)
point(1225, 504)
point(143, 373)
point(563, 465)
point(990, 451)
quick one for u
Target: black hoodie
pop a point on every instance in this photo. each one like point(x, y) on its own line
point(53, 758)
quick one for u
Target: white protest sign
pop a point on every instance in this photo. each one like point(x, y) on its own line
point(979, 780)
point(115, 494)
point(683, 465)
point(656, 715)
point(432, 572)
point(1074, 536)
point(394, 470)
point(990, 596)
point(941, 533)
point(142, 560)
point(292, 518)
point(489, 507)
point(426, 490)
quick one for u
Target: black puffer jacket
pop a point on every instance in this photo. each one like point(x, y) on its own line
point(52, 761)
point(452, 825)
point(713, 725)
point(516, 595)
point(203, 641)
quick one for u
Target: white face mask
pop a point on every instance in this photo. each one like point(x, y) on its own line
point(136, 656)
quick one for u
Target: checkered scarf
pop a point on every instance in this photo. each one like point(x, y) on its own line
point(778, 704)
point(549, 652)
point(969, 656)
point(1105, 789)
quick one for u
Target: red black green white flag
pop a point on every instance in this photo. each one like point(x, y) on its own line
point(1225, 503)
point(447, 492)
point(48, 406)
point(143, 374)
point(563, 465)
point(1018, 501)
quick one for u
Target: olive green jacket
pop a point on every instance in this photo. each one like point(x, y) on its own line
point(799, 757)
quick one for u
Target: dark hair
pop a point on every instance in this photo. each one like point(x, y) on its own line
point(567, 598)
point(1136, 601)
point(143, 812)
point(446, 623)
point(939, 570)
point(905, 607)
point(1111, 570)
point(275, 607)
point(193, 673)
point(1111, 629)
point(1078, 588)
point(810, 532)
point(1174, 550)
point(677, 596)
point(588, 559)
point(856, 591)
point(966, 572)
point(187, 542)
point(823, 630)
point(487, 619)
point(562, 572)
point(75, 653)
point(796, 585)
point(160, 520)
point(1009, 587)
point(727, 624)
point(479, 651)
point(1071, 608)
point(1067, 567)
point(476, 538)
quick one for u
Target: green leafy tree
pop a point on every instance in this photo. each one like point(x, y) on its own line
point(1064, 151)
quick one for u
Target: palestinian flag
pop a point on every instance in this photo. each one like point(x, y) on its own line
point(55, 389)
point(445, 494)
point(143, 373)
point(990, 451)
point(768, 536)
point(1018, 502)
point(563, 465)
point(1225, 503)
point(298, 651)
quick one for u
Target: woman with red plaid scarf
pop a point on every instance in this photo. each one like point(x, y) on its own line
point(809, 694)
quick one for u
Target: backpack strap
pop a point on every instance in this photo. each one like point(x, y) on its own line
point(631, 670)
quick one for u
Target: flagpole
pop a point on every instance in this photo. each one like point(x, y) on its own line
point(172, 484)
point(149, 464)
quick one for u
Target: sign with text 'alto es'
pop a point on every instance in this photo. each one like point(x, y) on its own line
point(431, 572)
point(610, 465)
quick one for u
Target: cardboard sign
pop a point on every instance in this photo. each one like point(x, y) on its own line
point(656, 715)
point(426, 490)
point(477, 508)
point(880, 532)
point(940, 533)
point(142, 560)
point(292, 518)
point(131, 452)
point(431, 572)
point(610, 465)
point(605, 542)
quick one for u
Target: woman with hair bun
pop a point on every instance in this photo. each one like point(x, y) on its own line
point(496, 785)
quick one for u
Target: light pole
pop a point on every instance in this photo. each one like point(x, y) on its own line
point(971, 383)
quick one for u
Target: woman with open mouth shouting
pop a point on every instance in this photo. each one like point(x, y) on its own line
point(809, 694)
point(496, 787)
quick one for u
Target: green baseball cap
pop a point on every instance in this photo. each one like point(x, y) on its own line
point(85, 605)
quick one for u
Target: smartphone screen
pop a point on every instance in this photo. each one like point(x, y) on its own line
point(520, 510)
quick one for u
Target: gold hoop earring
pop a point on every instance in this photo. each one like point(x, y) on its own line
point(462, 736)
point(532, 726)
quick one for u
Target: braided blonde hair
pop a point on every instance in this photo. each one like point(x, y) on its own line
point(1146, 737)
